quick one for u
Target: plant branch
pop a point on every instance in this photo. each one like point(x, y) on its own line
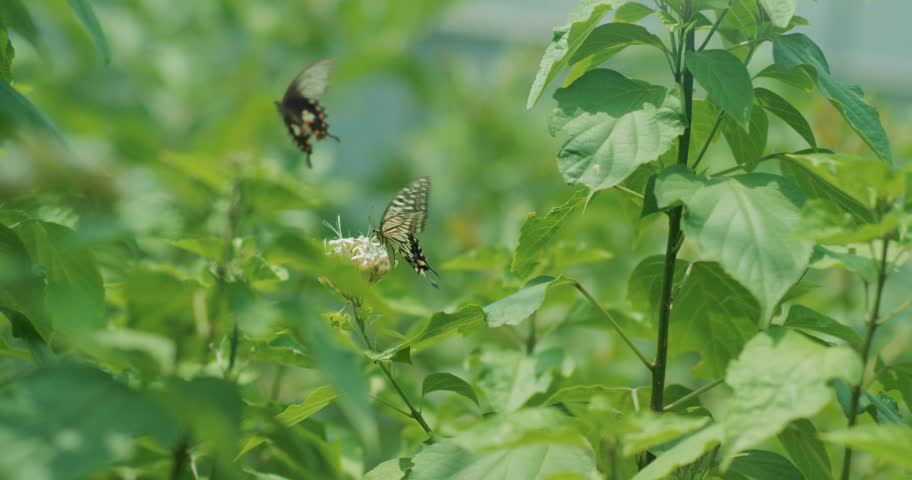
point(413, 412)
point(715, 26)
point(895, 313)
point(696, 393)
point(866, 351)
point(712, 133)
point(614, 324)
point(391, 406)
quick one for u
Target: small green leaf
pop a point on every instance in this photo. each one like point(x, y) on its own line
point(726, 81)
point(86, 15)
point(856, 261)
point(388, 470)
point(792, 50)
point(899, 377)
point(632, 12)
point(516, 308)
point(742, 22)
point(807, 451)
point(781, 108)
point(609, 125)
point(538, 234)
point(316, 401)
point(774, 369)
point(447, 382)
point(780, 12)
point(253, 442)
point(802, 77)
point(440, 326)
point(890, 443)
point(814, 177)
point(16, 17)
point(565, 41)
point(508, 378)
point(206, 247)
point(22, 113)
point(607, 41)
point(6, 55)
point(760, 464)
point(805, 319)
point(683, 453)
point(648, 430)
point(747, 146)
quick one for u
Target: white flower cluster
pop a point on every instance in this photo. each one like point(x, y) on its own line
point(368, 254)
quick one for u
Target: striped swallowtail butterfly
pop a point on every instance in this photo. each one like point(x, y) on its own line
point(405, 217)
point(303, 115)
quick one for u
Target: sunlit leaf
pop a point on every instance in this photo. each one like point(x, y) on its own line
point(632, 12)
point(447, 382)
point(780, 11)
point(516, 308)
point(764, 464)
point(648, 430)
point(508, 378)
point(806, 450)
point(683, 453)
point(889, 443)
point(607, 41)
point(726, 81)
point(781, 108)
point(805, 319)
point(316, 401)
point(538, 234)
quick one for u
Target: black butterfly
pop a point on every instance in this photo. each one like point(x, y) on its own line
point(302, 113)
point(404, 217)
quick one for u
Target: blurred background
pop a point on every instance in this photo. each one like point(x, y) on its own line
point(427, 87)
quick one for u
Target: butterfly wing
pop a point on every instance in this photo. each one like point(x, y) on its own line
point(405, 216)
point(415, 258)
point(312, 82)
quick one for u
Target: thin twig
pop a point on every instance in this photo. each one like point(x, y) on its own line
point(629, 191)
point(712, 133)
point(614, 324)
point(895, 313)
point(696, 393)
point(391, 406)
point(715, 27)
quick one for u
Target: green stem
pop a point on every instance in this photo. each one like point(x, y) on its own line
point(715, 26)
point(865, 352)
point(532, 339)
point(712, 133)
point(696, 393)
point(414, 413)
point(179, 458)
point(614, 324)
point(685, 80)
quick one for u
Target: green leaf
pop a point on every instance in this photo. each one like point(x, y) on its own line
point(812, 175)
point(538, 234)
point(16, 17)
point(762, 465)
point(804, 319)
point(899, 377)
point(644, 287)
point(713, 316)
point(742, 22)
point(807, 451)
point(74, 295)
point(316, 401)
point(443, 324)
point(780, 12)
point(801, 77)
point(648, 430)
point(565, 41)
point(342, 369)
point(726, 81)
point(889, 443)
point(86, 15)
point(609, 125)
point(795, 49)
point(206, 247)
point(781, 108)
point(605, 42)
point(118, 350)
point(632, 12)
point(508, 378)
point(21, 112)
point(447, 382)
point(848, 258)
point(747, 146)
point(516, 308)
point(739, 222)
point(774, 369)
point(532, 444)
point(67, 422)
point(6, 56)
point(882, 409)
point(388, 470)
point(683, 453)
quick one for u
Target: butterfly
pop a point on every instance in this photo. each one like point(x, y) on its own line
point(404, 217)
point(303, 115)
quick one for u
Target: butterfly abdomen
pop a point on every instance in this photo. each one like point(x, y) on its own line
point(415, 257)
point(305, 117)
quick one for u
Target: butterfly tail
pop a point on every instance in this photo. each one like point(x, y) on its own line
point(431, 276)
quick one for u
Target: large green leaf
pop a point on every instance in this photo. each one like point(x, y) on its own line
point(74, 294)
point(67, 422)
point(516, 308)
point(534, 444)
point(807, 320)
point(22, 291)
point(683, 453)
point(648, 430)
point(813, 176)
point(607, 41)
point(779, 11)
point(764, 465)
point(565, 42)
point(86, 15)
point(726, 81)
point(440, 326)
point(792, 50)
point(538, 234)
point(802, 77)
point(742, 222)
point(890, 443)
point(806, 450)
point(609, 125)
point(319, 399)
point(644, 286)
point(509, 378)
point(447, 382)
point(713, 316)
point(781, 108)
point(781, 376)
